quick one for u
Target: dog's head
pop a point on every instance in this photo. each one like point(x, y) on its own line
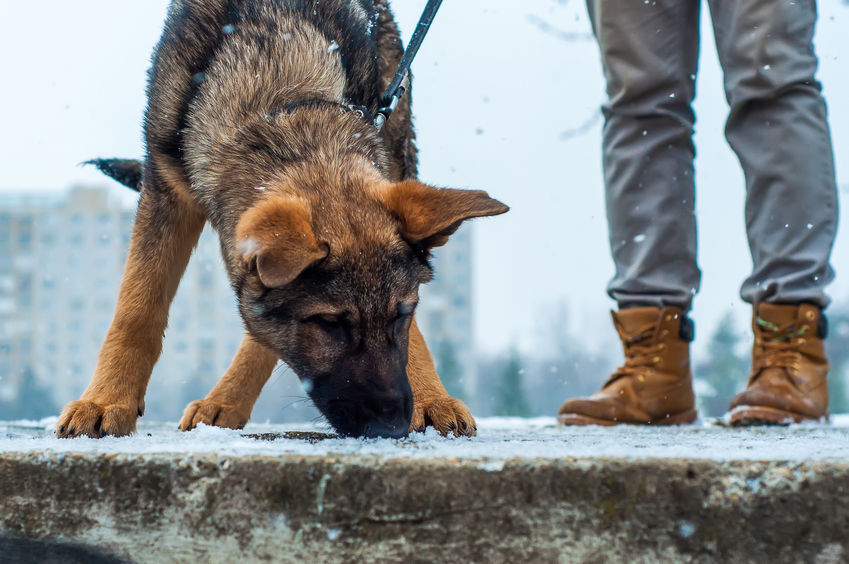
point(332, 287)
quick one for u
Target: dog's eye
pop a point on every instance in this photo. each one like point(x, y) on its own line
point(326, 321)
point(402, 320)
point(406, 310)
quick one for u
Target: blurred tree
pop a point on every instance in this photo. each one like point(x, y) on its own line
point(509, 394)
point(562, 367)
point(567, 368)
point(838, 389)
point(449, 370)
point(725, 371)
point(32, 402)
point(837, 346)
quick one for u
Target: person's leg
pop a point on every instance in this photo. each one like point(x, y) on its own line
point(777, 126)
point(650, 54)
point(649, 51)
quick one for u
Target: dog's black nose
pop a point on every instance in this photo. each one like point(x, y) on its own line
point(388, 415)
point(397, 429)
point(368, 413)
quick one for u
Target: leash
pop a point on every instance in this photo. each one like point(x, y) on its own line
point(401, 82)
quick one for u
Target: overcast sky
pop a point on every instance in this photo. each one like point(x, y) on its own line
point(494, 95)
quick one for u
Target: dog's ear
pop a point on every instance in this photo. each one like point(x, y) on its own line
point(429, 216)
point(275, 239)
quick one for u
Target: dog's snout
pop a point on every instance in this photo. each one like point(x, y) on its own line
point(390, 415)
point(369, 413)
point(387, 430)
point(388, 405)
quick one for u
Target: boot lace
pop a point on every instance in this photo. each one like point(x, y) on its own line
point(778, 346)
point(642, 352)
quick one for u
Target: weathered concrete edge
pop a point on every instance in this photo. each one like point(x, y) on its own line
point(158, 507)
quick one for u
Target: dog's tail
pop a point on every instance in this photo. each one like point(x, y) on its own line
point(126, 171)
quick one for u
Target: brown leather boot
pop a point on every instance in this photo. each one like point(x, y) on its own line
point(654, 386)
point(788, 382)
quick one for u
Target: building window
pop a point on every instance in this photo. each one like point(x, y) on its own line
point(25, 240)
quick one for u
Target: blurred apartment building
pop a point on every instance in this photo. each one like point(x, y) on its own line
point(61, 262)
point(445, 313)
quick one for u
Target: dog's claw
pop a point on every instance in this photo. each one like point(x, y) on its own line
point(447, 415)
point(213, 414)
point(89, 419)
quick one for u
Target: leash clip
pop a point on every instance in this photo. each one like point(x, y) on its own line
point(389, 105)
point(401, 81)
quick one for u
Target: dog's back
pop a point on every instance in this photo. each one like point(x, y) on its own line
point(219, 60)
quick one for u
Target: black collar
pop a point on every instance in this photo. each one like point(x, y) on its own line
point(361, 112)
point(399, 86)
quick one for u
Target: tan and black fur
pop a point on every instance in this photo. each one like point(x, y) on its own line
point(324, 230)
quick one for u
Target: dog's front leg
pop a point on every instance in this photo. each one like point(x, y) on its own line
point(231, 401)
point(166, 230)
point(431, 403)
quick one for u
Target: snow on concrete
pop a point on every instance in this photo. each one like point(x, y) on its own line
point(498, 439)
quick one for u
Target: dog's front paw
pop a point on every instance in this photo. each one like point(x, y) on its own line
point(89, 419)
point(446, 415)
point(214, 414)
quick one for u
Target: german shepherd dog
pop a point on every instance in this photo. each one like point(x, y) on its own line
point(257, 122)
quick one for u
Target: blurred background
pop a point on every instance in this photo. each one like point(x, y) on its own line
point(506, 98)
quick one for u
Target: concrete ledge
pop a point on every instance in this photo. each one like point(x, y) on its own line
point(205, 507)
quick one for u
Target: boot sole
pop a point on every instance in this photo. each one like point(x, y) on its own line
point(752, 416)
point(683, 418)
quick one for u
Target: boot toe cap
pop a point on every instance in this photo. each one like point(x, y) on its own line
point(601, 410)
point(783, 398)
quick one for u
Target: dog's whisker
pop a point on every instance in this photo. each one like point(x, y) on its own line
point(299, 402)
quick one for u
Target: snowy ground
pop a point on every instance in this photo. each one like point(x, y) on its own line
point(498, 439)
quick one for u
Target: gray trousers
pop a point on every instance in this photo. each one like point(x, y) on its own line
point(777, 127)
